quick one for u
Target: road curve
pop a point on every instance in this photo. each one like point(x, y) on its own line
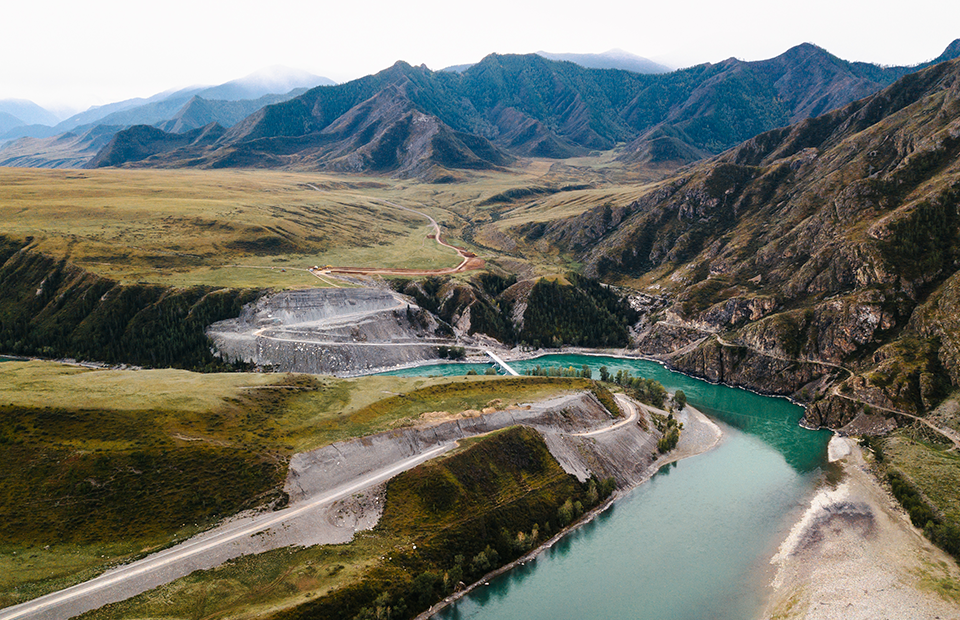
point(625, 403)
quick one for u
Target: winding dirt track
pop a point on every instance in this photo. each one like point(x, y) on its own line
point(625, 403)
point(469, 261)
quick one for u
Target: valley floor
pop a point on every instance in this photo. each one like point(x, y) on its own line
point(854, 554)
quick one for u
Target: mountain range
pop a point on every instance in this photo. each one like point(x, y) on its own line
point(30, 120)
point(411, 121)
point(824, 252)
point(611, 59)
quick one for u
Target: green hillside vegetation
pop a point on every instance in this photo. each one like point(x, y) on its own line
point(583, 313)
point(52, 309)
point(569, 310)
point(101, 466)
point(447, 521)
point(923, 472)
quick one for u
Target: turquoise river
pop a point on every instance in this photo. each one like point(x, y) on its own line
point(693, 543)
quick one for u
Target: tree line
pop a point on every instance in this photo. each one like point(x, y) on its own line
point(50, 308)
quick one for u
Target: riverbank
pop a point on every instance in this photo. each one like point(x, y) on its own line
point(854, 554)
point(699, 435)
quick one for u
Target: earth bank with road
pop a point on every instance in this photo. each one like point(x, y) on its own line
point(336, 490)
point(329, 331)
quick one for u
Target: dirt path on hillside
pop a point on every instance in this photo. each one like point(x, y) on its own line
point(468, 260)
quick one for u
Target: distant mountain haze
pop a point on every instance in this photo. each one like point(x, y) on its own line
point(67, 150)
point(270, 80)
point(27, 112)
point(176, 111)
point(612, 59)
point(162, 106)
point(8, 122)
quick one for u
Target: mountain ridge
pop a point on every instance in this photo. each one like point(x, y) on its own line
point(531, 106)
point(831, 243)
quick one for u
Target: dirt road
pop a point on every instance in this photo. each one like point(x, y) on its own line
point(204, 551)
point(469, 261)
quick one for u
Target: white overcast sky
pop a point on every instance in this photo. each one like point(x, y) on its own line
point(81, 53)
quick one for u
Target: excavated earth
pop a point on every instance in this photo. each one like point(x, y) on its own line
point(624, 453)
point(335, 331)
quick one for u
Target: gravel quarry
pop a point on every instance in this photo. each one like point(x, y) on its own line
point(337, 331)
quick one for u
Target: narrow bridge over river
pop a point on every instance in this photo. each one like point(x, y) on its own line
point(502, 365)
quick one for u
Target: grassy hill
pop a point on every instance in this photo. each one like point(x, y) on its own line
point(226, 229)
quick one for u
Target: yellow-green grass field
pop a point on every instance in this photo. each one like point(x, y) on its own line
point(260, 229)
point(66, 431)
point(193, 227)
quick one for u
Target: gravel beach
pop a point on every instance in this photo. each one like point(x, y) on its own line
point(854, 554)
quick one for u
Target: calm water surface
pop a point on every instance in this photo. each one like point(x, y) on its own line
point(693, 543)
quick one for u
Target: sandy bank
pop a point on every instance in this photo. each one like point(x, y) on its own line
point(854, 554)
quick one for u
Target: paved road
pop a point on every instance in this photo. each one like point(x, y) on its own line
point(178, 561)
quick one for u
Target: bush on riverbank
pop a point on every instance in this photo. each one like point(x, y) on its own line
point(670, 427)
point(649, 391)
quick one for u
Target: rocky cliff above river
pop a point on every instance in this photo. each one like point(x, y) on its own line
point(821, 253)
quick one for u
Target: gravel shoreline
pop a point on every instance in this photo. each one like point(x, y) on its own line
point(854, 554)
